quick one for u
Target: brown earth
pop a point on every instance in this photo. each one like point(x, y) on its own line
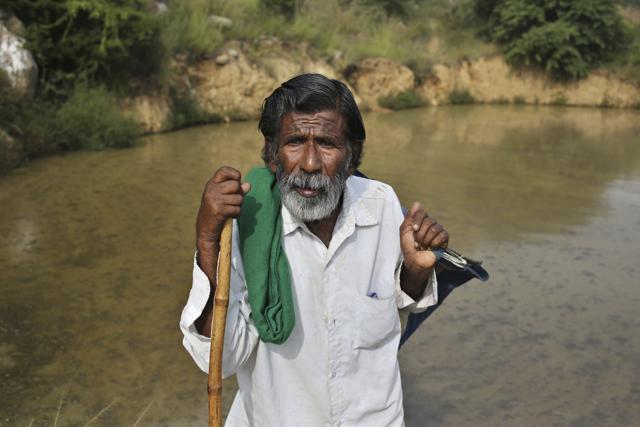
point(233, 83)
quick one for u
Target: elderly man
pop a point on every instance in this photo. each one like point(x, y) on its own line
point(318, 345)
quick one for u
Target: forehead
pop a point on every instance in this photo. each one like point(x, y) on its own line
point(327, 122)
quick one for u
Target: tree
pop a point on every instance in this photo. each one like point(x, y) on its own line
point(103, 41)
point(564, 37)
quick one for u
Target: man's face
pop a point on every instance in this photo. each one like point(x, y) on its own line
point(313, 163)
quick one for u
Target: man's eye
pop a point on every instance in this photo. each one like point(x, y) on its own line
point(327, 143)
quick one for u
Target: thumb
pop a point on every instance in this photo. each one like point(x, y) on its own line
point(407, 240)
point(245, 186)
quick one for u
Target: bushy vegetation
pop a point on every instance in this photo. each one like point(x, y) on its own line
point(564, 37)
point(109, 42)
point(89, 51)
point(89, 119)
point(187, 112)
point(461, 97)
point(402, 101)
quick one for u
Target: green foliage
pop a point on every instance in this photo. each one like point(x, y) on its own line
point(187, 28)
point(402, 101)
point(560, 99)
point(185, 111)
point(564, 37)
point(286, 8)
point(89, 119)
point(92, 120)
point(104, 41)
point(393, 7)
point(461, 97)
point(519, 100)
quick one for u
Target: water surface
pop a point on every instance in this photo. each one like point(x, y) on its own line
point(96, 252)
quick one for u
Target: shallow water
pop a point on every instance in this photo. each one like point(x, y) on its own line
point(96, 252)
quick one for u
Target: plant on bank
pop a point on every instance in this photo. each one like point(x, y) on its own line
point(402, 101)
point(564, 37)
point(95, 41)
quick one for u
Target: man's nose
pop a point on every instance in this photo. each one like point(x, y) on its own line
point(311, 158)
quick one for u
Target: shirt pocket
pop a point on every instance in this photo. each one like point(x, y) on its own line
point(376, 320)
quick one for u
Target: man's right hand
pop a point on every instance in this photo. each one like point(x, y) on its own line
point(221, 199)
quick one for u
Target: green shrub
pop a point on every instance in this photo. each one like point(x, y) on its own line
point(92, 120)
point(185, 111)
point(560, 99)
point(461, 97)
point(519, 100)
point(564, 37)
point(401, 101)
point(187, 29)
point(104, 41)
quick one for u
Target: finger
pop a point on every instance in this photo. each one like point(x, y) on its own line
point(226, 173)
point(246, 187)
point(420, 235)
point(229, 210)
point(407, 224)
point(414, 209)
point(418, 219)
point(441, 240)
point(433, 231)
point(231, 199)
point(228, 187)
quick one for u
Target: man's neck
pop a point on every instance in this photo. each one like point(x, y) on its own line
point(323, 228)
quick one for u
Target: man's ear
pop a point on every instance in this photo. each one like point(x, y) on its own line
point(266, 154)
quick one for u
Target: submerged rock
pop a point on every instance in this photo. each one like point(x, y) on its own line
point(18, 63)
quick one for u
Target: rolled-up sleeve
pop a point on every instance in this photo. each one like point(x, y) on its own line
point(240, 336)
point(428, 298)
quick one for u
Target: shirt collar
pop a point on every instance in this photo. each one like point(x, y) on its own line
point(354, 208)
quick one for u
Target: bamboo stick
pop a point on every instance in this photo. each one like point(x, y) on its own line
point(218, 323)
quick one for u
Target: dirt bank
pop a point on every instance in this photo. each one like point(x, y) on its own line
point(233, 83)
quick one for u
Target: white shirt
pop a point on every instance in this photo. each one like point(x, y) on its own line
point(339, 366)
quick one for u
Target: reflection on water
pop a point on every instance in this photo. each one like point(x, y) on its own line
point(95, 253)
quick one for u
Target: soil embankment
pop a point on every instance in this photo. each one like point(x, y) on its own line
point(233, 83)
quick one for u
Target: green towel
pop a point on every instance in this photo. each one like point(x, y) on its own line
point(266, 268)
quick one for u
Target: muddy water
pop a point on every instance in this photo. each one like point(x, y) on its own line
point(96, 249)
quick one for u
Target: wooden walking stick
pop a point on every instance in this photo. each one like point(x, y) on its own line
point(218, 323)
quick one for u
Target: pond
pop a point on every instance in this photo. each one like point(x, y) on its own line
point(96, 254)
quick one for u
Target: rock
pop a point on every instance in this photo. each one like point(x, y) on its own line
point(158, 7)
point(374, 78)
point(233, 53)
point(222, 59)
point(17, 63)
point(220, 21)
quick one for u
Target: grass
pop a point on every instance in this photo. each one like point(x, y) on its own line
point(402, 101)
point(519, 100)
point(89, 119)
point(461, 97)
point(185, 111)
point(559, 99)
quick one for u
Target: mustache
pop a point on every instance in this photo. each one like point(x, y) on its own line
point(313, 181)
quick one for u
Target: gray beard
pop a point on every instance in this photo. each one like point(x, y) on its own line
point(309, 209)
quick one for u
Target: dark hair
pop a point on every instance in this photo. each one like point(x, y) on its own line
point(310, 93)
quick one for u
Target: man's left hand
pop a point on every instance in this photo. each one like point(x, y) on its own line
point(418, 234)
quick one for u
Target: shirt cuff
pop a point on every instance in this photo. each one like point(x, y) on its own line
point(428, 298)
point(198, 297)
